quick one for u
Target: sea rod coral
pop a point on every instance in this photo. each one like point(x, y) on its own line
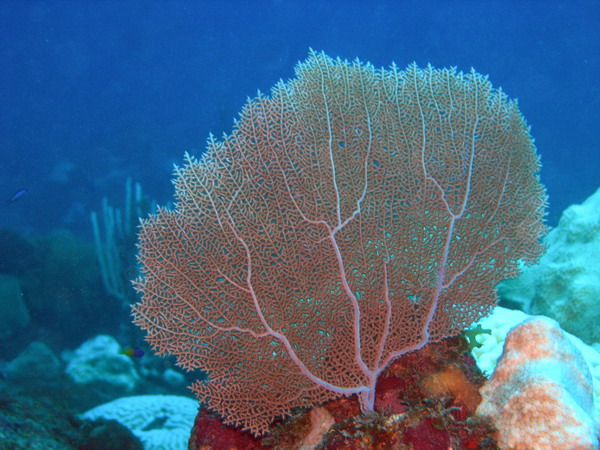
point(354, 215)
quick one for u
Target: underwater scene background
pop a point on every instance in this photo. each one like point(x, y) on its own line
point(99, 101)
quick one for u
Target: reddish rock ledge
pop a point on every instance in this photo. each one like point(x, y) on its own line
point(425, 399)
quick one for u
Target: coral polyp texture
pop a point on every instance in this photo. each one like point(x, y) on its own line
point(354, 215)
point(540, 395)
point(159, 421)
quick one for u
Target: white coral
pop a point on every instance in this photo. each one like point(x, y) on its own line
point(159, 421)
point(98, 361)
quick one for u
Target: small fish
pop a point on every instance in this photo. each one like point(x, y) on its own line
point(132, 352)
point(16, 196)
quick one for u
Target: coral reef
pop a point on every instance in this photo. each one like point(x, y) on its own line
point(39, 407)
point(565, 285)
point(353, 216)
point(99, 362)
point(425, 399)
point(14, 314)
point(35, 362)
point(501, 322)
point(159, 421)
point(40, 403)
point(17, 255)
point(540, 395)
point(51, 291)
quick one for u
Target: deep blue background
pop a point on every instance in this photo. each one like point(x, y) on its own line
point(93, 92)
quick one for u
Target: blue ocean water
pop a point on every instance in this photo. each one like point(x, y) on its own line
point(95, 92)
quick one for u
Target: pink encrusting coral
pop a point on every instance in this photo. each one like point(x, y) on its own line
point(353, 216)
point(540, 395)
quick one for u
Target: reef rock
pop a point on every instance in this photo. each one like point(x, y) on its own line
point(540, 395)
point(13, 311)
point(565, 285)
point(37, 361)
point(98, 362)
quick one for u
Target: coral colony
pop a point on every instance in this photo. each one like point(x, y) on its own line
point(354, 216)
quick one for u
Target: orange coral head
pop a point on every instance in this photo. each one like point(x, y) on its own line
point(452, 382)
point(353, 216)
